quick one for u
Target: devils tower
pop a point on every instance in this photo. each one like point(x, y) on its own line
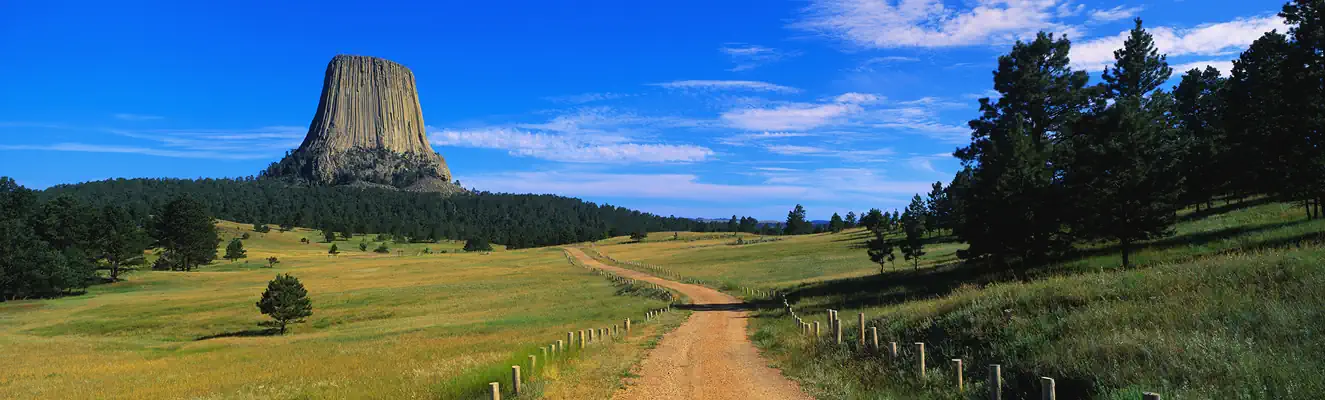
point(368, 131)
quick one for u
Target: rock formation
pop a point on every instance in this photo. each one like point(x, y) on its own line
point(368, 131)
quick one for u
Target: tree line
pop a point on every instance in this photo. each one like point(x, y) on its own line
point(1054, 161)
point(57, 246)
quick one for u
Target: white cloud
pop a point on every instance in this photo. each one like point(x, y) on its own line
point(931, 101)
point(930, 23)
point(726, 85)
point(98, 148)
point(990, 93)
point(828, 184)
point(568, 148)
point(747, 138)
point(868, 65)
point(586, 97)
point(1211, 39)
point(816, 151)
point(792, 117)
point(1224, 66)
point(253, 143)
point(857, 98)
point(1114, 14)
point(137, 117)
point(747, 57)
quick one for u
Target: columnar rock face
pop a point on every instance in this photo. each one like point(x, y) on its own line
point(368, 130)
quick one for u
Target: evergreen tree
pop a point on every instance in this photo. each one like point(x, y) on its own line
point(850, 220)
point(874, 219)
point(186, 233)
point(261, 228)
point(285, 301)
point(119, 241)
point(329, 235)
point(880, 250)
point(1302, 163)
point(363, 246)
point(938, 208)
point(1199, 107)
point(30, 266)
point(1123, 170)
point(836, 224)
point(913, 225)
point(381, 248)
point(1012, 207)
point(333, 250)
point(796, 222)
point(477, 244)
point(1256, 120)
point(733, 225)
point(235, 250)
point(272, 261)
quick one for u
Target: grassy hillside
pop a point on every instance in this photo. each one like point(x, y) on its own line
point(383, 326)
point(1229, 307)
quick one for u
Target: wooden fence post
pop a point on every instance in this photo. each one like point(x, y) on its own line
point(892, 349)
point(837, 331)
point(544, 349)
point(1150, 396)
point(496, 390)
point(515, 378)
point(570, 340)
point(862, 331)
point(920, 348)
point(995, 382)
point(1047, 388)
point(958, 367)
point(817, 331)
point(627, 326)
point(874, 338)
point(561, 346)
point(533, 363)
point(583, 340)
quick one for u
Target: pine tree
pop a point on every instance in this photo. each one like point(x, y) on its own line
point(1257, 117)
point(363, 246)
point(913, 225)
point(850, 220)
point(235, 250)
point(285, 301)
point(272, 261)
point(796, 222)
point(329, 235)
point(119, 241)
point(333, 250)
point(880, 250)
point(1012, 207)
point(1199, 106)
point(381, 248)
point(477, 244)
point(835, 224)
point(1303, 161)
point(1123, 170)
point(874, 219)
point(186, 233)
point(938, 208)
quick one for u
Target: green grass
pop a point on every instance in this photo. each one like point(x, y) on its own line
point(383, 326)
point(1228, 307)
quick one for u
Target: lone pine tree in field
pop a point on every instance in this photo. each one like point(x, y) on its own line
point(796, 222)
point(235, 250)
point(913, 224)
point(272, 261)
point(477, 244)
point(285, 301)
point(334, 250)
point(186, 233)
point(880, 250)
point(1124, 170)
point(850, 221)
point(118, 242)
point(363, 246)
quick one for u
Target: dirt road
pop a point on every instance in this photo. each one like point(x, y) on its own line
point(708, 356)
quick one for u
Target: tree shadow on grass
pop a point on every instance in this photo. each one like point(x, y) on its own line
point(1227, 208)
point(243, 333)
point(1190, 239)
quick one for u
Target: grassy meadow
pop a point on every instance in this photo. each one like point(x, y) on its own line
point(1230, 306)
point(383, 325)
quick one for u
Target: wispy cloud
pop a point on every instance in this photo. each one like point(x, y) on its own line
point(883, 24)
point(137, 117)
point(748, 56)
point(1114, 14)
point(1211, 39)
point(828, 184)
point(726, 85)
point(792, 117)
point(846, 154)
point(99, 148)
point(569, 148)
point(583, 98)
point(1224, 66)
point(753, 138)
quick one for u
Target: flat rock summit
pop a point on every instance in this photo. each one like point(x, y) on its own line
point(368, 131)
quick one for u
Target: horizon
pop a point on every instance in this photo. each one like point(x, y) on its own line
point(746, 108)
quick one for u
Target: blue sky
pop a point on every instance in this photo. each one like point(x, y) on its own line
point(692, 108)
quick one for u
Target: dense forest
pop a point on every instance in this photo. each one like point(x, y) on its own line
point(1054, 161)
point(515, 220)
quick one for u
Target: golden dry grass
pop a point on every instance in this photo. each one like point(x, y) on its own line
point(384, 326)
